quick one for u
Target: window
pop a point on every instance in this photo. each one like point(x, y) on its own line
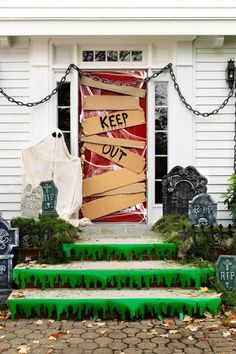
point(112, 55)
point(64, 112)
point(161, 136)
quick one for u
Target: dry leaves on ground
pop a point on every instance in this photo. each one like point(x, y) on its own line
point(17, 294)
point(213, 328)
point(55, 336)
point(173, 331)
point(23, 349)
point(193, 328)
point(39, 322)
point(4, 315)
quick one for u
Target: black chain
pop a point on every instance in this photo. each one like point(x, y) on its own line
point(140, 81)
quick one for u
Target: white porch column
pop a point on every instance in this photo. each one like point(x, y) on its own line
point(181, 119)
point(39, 55)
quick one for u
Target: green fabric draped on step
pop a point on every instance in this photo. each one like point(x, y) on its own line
point(120, 251)
point(135, 307)
point(104, 278)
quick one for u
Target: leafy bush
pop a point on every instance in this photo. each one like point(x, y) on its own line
point(47, 233)
point(230, 197)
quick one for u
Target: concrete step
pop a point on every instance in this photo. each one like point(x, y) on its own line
point(120, 251)
point(123, 304)
point(114, 274)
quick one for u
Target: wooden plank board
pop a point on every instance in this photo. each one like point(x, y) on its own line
point(113, 103)
point(130, 189)
point(95, 139)
point(110, 204)
point(110, 180)
point(113, 121)
point(119, 155)
point(126, 90)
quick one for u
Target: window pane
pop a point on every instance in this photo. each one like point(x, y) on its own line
point(158, 192)
point(100, 55)
point(161, 93)
point(64, 95)
point(67, 140)
point(124, 55)
point(160, 167)
point(161, 118)
point(64, 119)
point(137, 55)
point(161, 144)
point(112, 55)
point(88, 55)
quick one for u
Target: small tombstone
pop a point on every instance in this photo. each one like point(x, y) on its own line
point(32, 199)
point(202, 210)
point(226, 272)
point(50, 193)
point(9, 238)
point(179, 186)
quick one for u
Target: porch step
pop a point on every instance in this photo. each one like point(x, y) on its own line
point(107, 303)
point(120, 251)
point(99, 274)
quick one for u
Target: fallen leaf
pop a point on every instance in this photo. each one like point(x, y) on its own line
point(230, 315)
point(213, 328)
point(36, 341)
point(2, 327)
point(89, 325)
point(51, 321)
point(43, 265)
point(39, 322)
point(103, 332)
point(173, 331)
point(203, 289)
point(226, 334)
point(207, 314)
point(23, 349)
point(17, 294)
point(190, 338)
point(52, 338)
point(2, 337)
point(187, 318)
point(193, 328)
point(32, 262)
point(164, 335)
point(100, 324)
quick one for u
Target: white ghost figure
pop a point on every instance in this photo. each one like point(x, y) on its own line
point(51, 160)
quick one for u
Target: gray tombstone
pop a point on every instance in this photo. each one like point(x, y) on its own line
point(9, 238)
point(226, 272)
point(50, 193)
point(32, 199)
point(179, 186)
point(202, 210)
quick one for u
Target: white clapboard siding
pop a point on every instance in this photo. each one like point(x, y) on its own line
point(14, 124)
point(214, 136)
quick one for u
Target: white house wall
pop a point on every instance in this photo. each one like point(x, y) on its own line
point(14, 123)
point(214, 136)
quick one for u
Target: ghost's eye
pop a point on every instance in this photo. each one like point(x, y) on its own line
point(54, 135)
point(59, 135)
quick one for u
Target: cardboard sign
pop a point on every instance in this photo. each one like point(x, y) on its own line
point(95, 139)
point(119, 155)
point(112, 103)
point(126, 90)
point(108, 205)
point(130, 189)
point(113, 121)
point(110, 180)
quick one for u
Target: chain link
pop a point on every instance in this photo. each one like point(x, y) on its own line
point(168, 67)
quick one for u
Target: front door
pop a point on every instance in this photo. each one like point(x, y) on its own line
point(113, 134)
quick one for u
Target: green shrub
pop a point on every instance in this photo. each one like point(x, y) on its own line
point(47, 233)
point(230, 197)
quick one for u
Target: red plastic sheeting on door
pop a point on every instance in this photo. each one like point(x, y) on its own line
point(95, 164)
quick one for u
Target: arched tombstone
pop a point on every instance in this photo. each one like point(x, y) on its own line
point(9, 238)
point(179, 186)
point(202, 210)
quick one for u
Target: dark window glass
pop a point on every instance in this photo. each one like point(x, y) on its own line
point(64, 95)
point(67, 140)
point(88, 55)
point(100, 55)
point(161, 118)
point(64, 119)
point(161, 144)
point(160, 167)
point(112, 55)
point(158, 192)
point(161, 93)
point(124, 55)
point(137, 55)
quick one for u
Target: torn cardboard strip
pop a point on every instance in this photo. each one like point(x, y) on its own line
point(112, 121)
point(126, 90)
point(130, 189)
point(110, 180)
point(112, 103)
point(110, 204)
point(95, 139)
point(119, 155)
